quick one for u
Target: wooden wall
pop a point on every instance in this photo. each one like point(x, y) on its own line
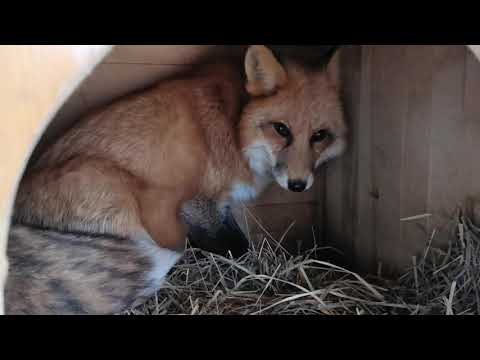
point(414, 113)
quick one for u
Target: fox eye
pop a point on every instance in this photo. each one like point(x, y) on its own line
point(320, 136)
point(282, 130)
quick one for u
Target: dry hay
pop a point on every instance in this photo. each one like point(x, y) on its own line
point(268, 281)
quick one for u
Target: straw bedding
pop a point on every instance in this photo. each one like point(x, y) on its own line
point(269, 281)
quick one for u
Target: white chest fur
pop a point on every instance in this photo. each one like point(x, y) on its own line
point(242, 192)
point(245, 192)
point(259, 160)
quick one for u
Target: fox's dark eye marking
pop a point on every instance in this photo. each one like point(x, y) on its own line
point(320, 136)
point(284, 132)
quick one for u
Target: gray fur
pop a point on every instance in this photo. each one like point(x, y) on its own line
point(55, 273)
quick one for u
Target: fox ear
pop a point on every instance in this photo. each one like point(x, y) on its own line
point(264, 73)
point(333, 69)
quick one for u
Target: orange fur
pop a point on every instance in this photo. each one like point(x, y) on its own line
point(129, 167)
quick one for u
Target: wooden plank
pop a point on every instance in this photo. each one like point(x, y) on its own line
point(365, 250)
point(333, 212)
point(339, 207)
point(472, 119)
point(335, 177)
point(319, 225)
point(389, 114)
point(449, 174)
point(416, 145)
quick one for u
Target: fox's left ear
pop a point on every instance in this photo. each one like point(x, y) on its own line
point(264, 73)
point(333, 69)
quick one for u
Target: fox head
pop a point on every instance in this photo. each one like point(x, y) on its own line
point(294, 121)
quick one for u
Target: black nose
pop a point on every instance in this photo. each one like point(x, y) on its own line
point(297, 185)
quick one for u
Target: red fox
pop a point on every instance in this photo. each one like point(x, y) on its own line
point(112, 196)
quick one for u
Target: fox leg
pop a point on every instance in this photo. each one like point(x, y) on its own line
point(212, 227)
point(160, 215)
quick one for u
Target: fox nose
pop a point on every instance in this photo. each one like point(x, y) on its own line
point(297, 185)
